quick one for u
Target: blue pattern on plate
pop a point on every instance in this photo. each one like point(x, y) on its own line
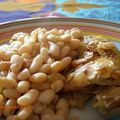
point(110, 11)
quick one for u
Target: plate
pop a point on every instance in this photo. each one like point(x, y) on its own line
point(88, 26)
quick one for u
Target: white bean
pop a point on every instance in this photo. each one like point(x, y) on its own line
point(11, 93)
point(34, 53)
point(39, 108)
point(38, 78)
point(45, 68)
point(54, 50)
point(48, 110)
point(53, 31)
point(65, 51)
point(28, 98)
point(66, 38)
point(36, 63)
point(7, 83)
point(73, 54)
point(62, 107)
point(46, 96)
point(12, 75)
point(42, 37)
point(25, 113)
point(60, 44)
point(3, 73)
point(75, 43)
point(10, 107)
point(24, 74)
point(57, 85)
point(61, 31)
point(56, 66)
point(41, 86)
point(26, 55)
point(23, 86)
point(76, 33)
point(66, 62)
point(25, 48)
point(16, 63)
point(44, 52)
point(53, 38)
point(50, 60)
point(34, 35)
point(4, 65)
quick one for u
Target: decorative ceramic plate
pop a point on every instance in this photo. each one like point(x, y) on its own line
point(88, 26)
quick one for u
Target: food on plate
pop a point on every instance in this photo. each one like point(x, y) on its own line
point(45, 73)
point(108, 101)
point(108, 98)
point(98, 65)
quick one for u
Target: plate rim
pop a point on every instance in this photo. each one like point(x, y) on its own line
point(58, 19)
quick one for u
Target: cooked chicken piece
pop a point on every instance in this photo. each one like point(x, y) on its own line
point(108, 98)
point(102, 71)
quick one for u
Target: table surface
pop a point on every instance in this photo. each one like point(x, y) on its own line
point(108, 10)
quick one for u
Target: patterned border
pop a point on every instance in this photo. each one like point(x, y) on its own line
point(32, 20)
point(88, 26)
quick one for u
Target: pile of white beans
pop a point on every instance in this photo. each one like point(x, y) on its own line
point(31, 68)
